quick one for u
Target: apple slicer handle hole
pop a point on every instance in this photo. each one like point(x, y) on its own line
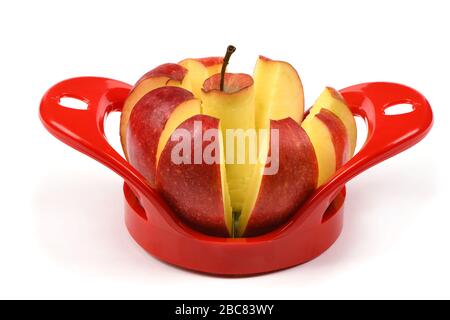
point(397, 109)
point(111, 125)
point(332, 209)
point(362, 132)
point(73, 103)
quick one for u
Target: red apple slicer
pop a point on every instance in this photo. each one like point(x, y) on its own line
point(311, 231)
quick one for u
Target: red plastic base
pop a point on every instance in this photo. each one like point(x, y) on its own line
point(310, 231)
point(235, 256)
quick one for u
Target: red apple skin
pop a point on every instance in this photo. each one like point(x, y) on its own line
point(172, 71)
point(338, 134)
point(147, 121)
point(280, 195)
point(194, 191)
point(265, 58)
point(234, 82)
point(210, 61)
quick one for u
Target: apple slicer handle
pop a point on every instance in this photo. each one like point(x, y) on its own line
point(83, 129)
point(387, 134)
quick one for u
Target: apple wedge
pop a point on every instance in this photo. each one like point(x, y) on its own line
point(339, 136)
point(330, 141)
point(332, 100)
point(234, 108)
point(278, 92)
point(153, 79)
point(272, 198)
point(154, 118)
point(198, 192)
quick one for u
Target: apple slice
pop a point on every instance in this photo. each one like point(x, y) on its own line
point(339, 136)
point(198, 192)
point(151, 123)
point(278, 92)
point(198, 71)
point(272, 199)
point(330, 140)
point(235, 108)
point(332, 100)
point(153, 79)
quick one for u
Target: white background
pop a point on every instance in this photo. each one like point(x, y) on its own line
point(62, 233)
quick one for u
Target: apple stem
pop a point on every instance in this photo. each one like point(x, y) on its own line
point(230, 50)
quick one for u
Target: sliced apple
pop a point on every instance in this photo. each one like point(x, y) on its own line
point(198, 192)
point(233, 196)
point(278, 92)
point(153, 79)
point(235, 108)
point(331, 144)
point(152, 120)
point(272, 199)
point(198, 71)
point(332, 100)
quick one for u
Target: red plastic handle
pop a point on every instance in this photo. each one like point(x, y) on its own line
point(83, 129)
point(387, 135)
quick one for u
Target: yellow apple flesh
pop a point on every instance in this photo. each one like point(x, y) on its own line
point(235, 108)
point(278, 92)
